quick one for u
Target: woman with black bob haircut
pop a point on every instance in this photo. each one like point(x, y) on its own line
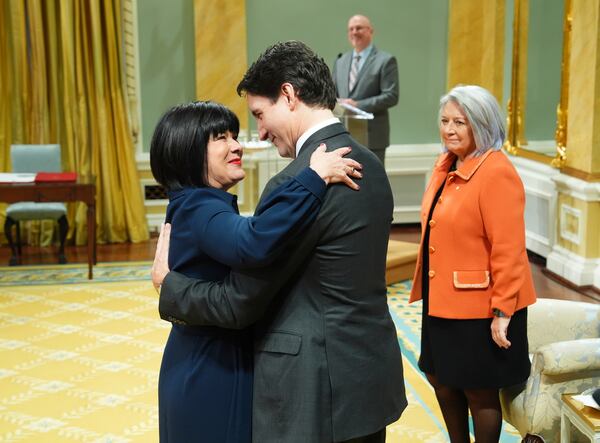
point(179, 143)
point(205, 382)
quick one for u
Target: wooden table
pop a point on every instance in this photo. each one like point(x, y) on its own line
point(84, 190)
point(584, 418)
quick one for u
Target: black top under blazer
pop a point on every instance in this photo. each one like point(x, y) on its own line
point(327, 364)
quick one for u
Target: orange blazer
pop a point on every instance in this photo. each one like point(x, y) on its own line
point(477, 255)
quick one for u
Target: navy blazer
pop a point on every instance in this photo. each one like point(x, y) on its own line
point(207, 228)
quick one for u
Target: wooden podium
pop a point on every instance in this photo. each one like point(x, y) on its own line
point(355, 120)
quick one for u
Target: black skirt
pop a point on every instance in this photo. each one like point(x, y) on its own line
point(461, 353)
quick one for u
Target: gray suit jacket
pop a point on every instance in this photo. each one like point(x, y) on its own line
point(375, 91)
point(327, 364)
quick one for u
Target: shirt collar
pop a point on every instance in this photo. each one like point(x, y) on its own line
point(364, 53)
point(310, 131)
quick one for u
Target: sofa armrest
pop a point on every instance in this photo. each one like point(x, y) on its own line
point(568, 357)
point(569, 320)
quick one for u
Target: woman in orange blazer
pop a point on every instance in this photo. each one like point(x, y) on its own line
point(472, 272)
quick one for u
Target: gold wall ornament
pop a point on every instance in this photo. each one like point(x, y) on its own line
point(562, 110)
point(510, 144)
point(516, 141)
point(515, 123)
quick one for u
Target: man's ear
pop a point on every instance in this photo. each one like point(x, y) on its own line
point(289, 94)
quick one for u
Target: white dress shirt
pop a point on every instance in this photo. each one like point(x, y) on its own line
point(310, 131)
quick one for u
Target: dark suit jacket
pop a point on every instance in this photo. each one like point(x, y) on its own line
point(375, 91)
point(327, 362)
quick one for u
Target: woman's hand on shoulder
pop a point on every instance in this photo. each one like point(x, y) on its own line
point(499, 330)
point(333, 167)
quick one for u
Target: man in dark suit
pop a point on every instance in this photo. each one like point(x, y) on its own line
point(368, 79)
point(327, 364)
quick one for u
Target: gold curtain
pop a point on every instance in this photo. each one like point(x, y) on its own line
point(5, 100)
point(66, 69)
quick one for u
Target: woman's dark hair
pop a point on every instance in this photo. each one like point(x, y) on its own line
point(295, 63)
point(178, 147)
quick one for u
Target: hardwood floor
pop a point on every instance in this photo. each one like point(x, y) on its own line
point(546, 286)
point(78, 254)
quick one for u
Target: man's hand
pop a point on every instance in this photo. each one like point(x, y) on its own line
point(348, 101)
point(499, 329)
point(160, 267)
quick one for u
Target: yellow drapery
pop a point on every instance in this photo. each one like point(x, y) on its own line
point(5, 100)
point(65, 71)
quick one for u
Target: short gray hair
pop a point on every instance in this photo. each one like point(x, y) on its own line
point(484, 115)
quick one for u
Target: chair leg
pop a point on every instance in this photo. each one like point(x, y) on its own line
point(19, 250)
point(63, 228)
point(8, 224)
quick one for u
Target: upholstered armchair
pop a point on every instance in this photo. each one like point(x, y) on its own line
point(35, 158)
point(564, 340)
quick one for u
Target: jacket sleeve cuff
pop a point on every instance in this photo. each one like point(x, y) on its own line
point(166, 303)
point(313, 182)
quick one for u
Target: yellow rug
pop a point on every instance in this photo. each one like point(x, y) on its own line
point(79, 362)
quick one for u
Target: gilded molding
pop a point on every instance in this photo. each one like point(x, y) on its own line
point(562, 110)
point(515, 139)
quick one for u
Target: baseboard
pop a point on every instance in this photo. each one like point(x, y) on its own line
point(571, 267)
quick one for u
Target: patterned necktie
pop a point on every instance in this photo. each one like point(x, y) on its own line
point(353, 72)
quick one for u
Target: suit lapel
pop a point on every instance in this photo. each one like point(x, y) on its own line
point(343, 74)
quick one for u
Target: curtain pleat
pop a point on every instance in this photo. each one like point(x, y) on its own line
point(5, 99)
point(17, 45)
point(66, 66)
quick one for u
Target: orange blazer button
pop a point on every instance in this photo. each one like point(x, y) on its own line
point(431, 249)
point(431, 223)
point(431, 274)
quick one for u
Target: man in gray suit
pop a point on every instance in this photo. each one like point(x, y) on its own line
point(327, 364)
point(368, 79)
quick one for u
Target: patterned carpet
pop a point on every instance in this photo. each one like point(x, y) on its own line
point(76, 273)
point(79, 362)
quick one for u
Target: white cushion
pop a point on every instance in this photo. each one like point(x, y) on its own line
point(36, 211)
